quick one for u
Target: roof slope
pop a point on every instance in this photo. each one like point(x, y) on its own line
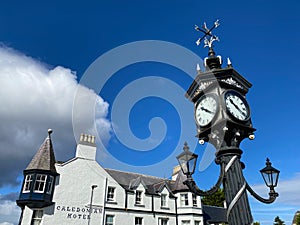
point(44, 159)
point(178, 185)
point(130, 181)
point(213, 214)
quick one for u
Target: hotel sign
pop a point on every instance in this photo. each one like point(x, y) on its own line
point(76, 212)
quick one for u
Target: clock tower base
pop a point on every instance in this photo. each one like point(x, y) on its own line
point(238, 208)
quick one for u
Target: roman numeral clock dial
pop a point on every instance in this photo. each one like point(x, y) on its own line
point(237, 106)
point(205, 110)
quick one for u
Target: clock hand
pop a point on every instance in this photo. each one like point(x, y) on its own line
point(206, 110)
point(238, 108)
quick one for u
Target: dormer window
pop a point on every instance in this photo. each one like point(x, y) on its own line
point(27, 183)
point(138, 197)
point(163, 200)
point(40, 183)
point(110, 194)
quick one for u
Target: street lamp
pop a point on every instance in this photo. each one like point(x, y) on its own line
point(270, 175)
point(223, 119)
point(91, 203)
point(187, 161)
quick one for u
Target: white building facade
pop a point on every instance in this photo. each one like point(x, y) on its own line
point(85, 193)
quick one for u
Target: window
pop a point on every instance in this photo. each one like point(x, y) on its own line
point(195, 200)
point(138, 221)
point(185, 222)
point(50, 184)
point(184, 201)
point(40, 181)
point(110, 194)
point(138, 197)
point(109, 220)
point(37, 216)
point(164, 221)
point(163, 200)
point(197, 222)
point(27, 183)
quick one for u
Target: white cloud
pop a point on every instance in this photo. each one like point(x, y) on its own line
point(35, 97)
point(9, 212)
point(285, 205)
point(287, 189)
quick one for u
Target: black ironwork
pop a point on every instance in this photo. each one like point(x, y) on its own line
point(187, 160)
point(91, 203)
point(234, 184)
point(207, 32)
point(270, 175)
point(225, 132)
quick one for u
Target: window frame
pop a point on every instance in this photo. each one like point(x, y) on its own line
point(50, 185)
point(27, 183)
point(161, 220)
point(197, 222)
point(36, 218)
point(194, 200)
point(39, 183)
point(110, 222)
point(185, 222)
point(163, 200)
point(108, 197)
point(138, 222)
point(184, 199)
point(138, 197)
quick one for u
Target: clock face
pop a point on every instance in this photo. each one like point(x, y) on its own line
point(237, 106)
point(206, 109)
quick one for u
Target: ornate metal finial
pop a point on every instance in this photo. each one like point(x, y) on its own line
point(186, 147)
point(49, 133)
point(207, 32)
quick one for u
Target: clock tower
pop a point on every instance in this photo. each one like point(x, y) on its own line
point(223, 119)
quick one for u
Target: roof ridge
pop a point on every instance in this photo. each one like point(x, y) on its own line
point(140, 174)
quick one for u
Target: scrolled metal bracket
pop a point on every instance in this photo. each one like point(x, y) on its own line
point(272, 195)
point(197, 191)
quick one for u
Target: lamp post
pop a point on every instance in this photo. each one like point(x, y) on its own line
point(187, 161)
point(91, 202)
point(223, 119)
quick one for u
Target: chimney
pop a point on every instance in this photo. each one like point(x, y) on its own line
point(86, 147)
point(176, 170)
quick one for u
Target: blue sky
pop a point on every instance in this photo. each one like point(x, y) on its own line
point(47, 53)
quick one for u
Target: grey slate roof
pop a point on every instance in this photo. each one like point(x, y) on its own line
point(154, 185)
point(130, 181)
point(178, 185)
point(44, 159)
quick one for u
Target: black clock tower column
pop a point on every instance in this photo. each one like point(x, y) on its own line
point(223, 119)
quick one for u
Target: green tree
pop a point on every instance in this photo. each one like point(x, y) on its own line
point(216, 199)
point(256, 223)
point(278, 221)
point(298, 219)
